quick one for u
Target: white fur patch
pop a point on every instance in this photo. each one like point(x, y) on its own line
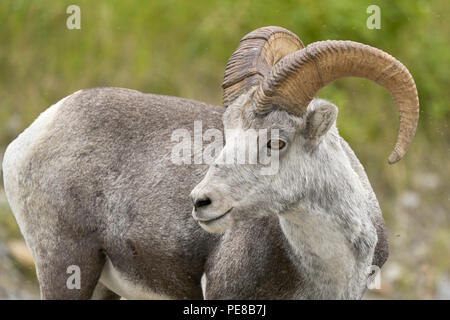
point(203, 285)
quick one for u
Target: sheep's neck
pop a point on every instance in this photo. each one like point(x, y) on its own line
point(321, 252)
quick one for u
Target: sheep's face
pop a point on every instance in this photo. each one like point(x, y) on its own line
point(268, 165)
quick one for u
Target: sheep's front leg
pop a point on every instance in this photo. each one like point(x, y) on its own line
point(68, 269)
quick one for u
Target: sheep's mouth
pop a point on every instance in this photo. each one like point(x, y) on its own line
point(216, 218)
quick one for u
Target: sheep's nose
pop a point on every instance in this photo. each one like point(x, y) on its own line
point(202, 202)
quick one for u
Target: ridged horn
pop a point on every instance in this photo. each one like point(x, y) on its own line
point(295, 80)
point(255, 56)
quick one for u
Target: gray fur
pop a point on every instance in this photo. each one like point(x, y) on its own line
point(92, 182)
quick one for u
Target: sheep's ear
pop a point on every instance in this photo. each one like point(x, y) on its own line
point(319, 121)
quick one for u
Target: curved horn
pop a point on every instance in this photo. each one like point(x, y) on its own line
point(294, 81)
point(255, 56)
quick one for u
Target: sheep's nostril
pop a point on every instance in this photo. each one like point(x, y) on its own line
point(202, 203)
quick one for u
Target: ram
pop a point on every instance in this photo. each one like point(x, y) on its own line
point(92, 184)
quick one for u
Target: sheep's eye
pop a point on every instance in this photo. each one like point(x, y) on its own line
point(276, 144)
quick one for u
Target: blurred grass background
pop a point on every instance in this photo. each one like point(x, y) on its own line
point(181, 48)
